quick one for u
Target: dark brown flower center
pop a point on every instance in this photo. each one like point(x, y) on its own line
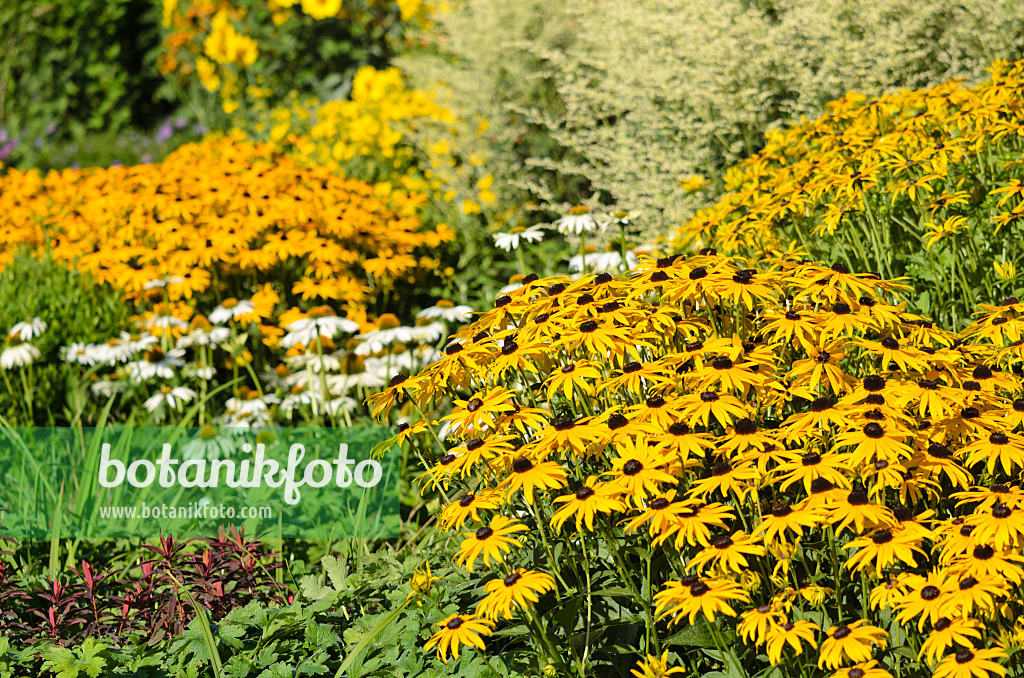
point(882, 537)
point(632, 467)
point(857, 498)
point(874, 430)
point(585, 493)
point(617, 421)
point(522, 465)
point(841, 632)
point(745, 427)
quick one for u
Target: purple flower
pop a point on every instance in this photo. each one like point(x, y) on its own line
point(146, 159)
point(51, 128)
point(4, 135)
point(164, 133)
point(38, 143)
point(181, 122)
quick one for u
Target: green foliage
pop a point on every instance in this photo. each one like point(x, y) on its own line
point(88, 659)
point(71, 69)
point(310, 636)
point(296, 56)
point(75, 310)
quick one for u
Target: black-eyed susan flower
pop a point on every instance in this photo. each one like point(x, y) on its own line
point(468, 507)
point(685, 598)
point(971, 663)
point(870, 669)
point(457, 630)
point(792, 634)
point(850, 643)
point(1001, 526)
point(784, 520)
point(490, 541)
point(656, 667)
point(883, 549)
point(521, 588)
point(727, 553)
point(755, 624)
point(950, 632)
point(857, 512)
point(586, 502)
point(528, 476)
point(641, 469)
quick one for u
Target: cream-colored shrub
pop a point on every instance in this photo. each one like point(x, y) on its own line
point(618, 102)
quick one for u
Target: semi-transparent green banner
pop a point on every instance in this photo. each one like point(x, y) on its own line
point(144, 482)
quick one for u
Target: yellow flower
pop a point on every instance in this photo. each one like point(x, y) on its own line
point(321, 9)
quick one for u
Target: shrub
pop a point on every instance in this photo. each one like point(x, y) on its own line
point(761, 471)
point(921, 183)
point(76, 309)
point(619, 103)
point(71, 69)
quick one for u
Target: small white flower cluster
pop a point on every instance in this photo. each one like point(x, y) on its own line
point(326, 366)
point(17, 351)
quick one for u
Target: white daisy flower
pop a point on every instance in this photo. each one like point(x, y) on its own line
point(251, 403)
point(447, 311)
point(578, 221)
point(29, 329)
point(17, 353)
point(166, 322)
point(306, 330)
point(162, 282)
point(204, 372)
point(156, 363)
point(123, 348)
point(106, 388)
point(602, 262)
point(341, 405)
point(512, 239)
point(378, 340)
point(170, 398)
point(201, 337)
point(624, 218)
point(209, 444)
point(231, 309)
point(80, 353)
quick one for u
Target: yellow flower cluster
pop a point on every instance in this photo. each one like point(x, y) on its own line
point(218, 210)
point(376, 118)
point(883, 181)
point(393, 133)
point(784, 451)
point(225, 45)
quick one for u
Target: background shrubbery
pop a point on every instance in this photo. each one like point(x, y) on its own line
point(73, 69)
